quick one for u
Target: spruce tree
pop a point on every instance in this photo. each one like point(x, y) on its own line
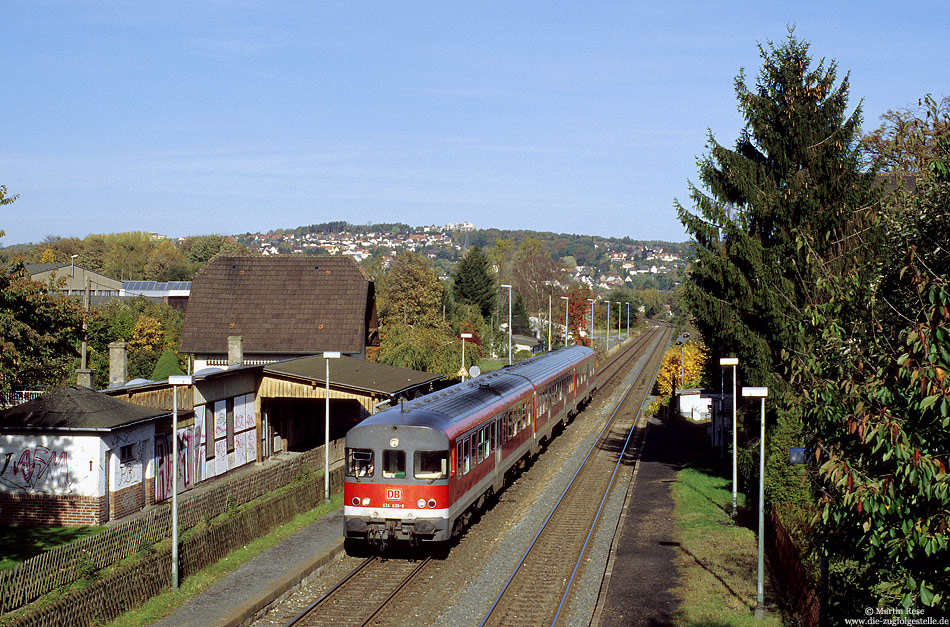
point(474, 283)
point(778, 206)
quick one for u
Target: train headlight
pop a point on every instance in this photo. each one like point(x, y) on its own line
point(421, 503)
point(365, 501)
point(432, 503)
point(356, 501)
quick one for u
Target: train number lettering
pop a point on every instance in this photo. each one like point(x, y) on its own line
point(393, 494)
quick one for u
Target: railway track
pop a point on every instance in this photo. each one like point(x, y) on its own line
point(539, 586)
point(360, 596)
point(364, 596)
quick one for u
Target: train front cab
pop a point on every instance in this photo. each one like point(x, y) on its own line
point(397, 484)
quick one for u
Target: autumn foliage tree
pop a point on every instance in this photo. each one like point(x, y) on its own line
point(39, 329)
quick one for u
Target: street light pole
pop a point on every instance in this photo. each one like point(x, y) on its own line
point(591, 301)
point(175, 381)
point(464, 337)
point(567, 306)
point(509, 323)
point(619, 319)
point(607, 330)
point(328, 355)
point(549, 322)
point(759, 611)
point(733, 361)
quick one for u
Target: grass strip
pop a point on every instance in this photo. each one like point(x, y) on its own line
point(20, 542)
point(718, 556)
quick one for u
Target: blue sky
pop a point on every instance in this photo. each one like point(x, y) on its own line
point(187, 118)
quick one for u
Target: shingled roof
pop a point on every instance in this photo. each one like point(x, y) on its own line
point(301, 304)
point(356, 374)
point(75, 408)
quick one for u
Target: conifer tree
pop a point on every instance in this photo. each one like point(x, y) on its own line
point(789, 193)
point(473, 282)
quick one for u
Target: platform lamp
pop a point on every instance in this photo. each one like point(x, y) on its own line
point(619, 319)
point(628, 320)
point(733, 361)
point(509, 322)
point(567, 306)
point(760, 393)
point(591, 301)
point(175, 381)
point(464, 336)
point(328, 355)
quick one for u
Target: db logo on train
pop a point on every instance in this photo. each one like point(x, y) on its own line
point(393, 494)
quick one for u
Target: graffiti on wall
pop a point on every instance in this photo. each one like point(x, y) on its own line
point(35, 469)
point(188, 462)
point(194, 464)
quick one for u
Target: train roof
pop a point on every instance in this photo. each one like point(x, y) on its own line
point(449, 409)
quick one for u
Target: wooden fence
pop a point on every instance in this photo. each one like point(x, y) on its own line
point(128, 587)
point(791, 572)
point(63, 565)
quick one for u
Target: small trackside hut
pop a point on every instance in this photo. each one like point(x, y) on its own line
point(415, 472)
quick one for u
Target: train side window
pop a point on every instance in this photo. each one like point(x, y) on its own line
point(458, 457)
point(479, 438)
point(394, 464)
point(430, 465)
point(527, 414)
point(491, 437)
point(359, 462)
point(467, 450)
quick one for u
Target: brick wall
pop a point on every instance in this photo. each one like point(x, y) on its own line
point(126, 501)
point(150, 491)
point(57, 510)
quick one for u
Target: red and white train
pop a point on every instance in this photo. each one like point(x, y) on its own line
point(413, 472)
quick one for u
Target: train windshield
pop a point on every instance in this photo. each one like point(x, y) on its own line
point(394, 464)
point(431, 464)
point(359, 462)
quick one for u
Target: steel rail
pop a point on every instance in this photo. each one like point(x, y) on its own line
point(603, 501)
point(600, 436)
point(328, 595)
point(392, 595)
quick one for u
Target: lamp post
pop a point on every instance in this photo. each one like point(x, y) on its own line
point(607, 329)
point(682, 346)
point(328, 355)
point(760, 393)
point(628, 320)
point(509, 323)
point(464, 336)
point(681, 342)
point(591, 301)
point(567, 303)
point(175, 381)
point(619, 319)
point(549, 321)
point(733, 361)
